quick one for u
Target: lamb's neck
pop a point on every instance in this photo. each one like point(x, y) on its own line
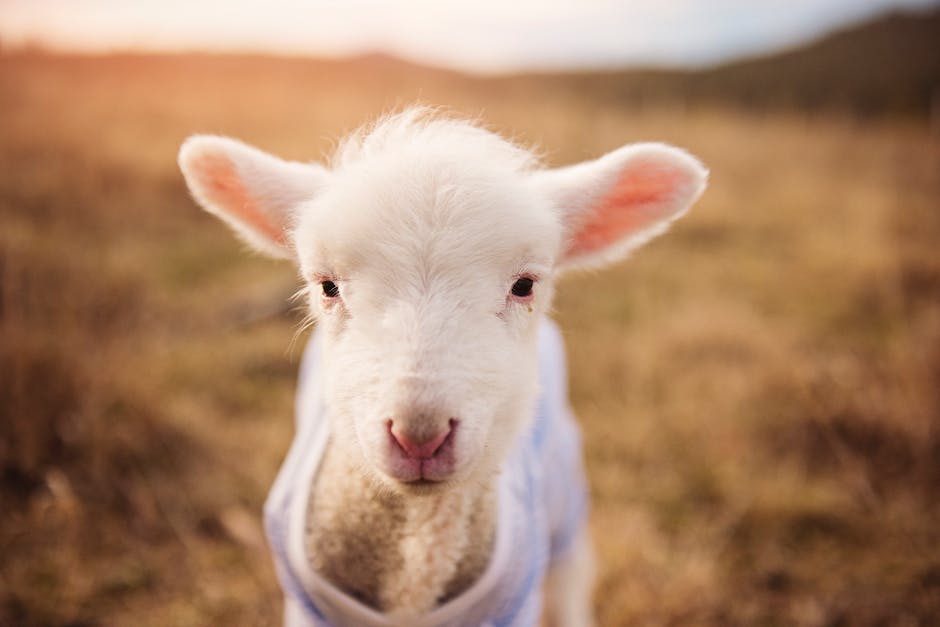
point(400, 554)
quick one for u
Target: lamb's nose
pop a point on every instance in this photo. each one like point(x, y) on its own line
point(419, 446)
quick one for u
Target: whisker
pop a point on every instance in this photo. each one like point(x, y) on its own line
point(308, 321)
point(302, 292)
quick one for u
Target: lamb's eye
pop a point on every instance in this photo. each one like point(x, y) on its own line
point(522, 287)
point(330, 289)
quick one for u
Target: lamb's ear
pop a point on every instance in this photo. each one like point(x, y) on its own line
point(620, 201)
point(253, 192)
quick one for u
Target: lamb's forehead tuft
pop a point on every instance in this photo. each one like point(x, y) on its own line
point(431, 131)
point(420, 190)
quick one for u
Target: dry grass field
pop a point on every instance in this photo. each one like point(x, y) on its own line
point(759, 389)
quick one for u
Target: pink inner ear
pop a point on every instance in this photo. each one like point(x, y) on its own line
point(643, 195)
point(223, 188)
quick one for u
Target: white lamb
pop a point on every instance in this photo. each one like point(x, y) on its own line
point(435, 476)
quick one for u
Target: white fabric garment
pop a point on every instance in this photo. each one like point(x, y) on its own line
point(541, 506)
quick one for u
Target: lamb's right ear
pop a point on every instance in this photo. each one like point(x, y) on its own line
point(253, 192)
point(613, 204)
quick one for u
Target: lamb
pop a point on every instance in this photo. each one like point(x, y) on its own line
point(435, 477)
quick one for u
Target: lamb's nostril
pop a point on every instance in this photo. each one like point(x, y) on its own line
point(418, 447)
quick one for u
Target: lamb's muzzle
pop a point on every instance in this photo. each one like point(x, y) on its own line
point(421, 455)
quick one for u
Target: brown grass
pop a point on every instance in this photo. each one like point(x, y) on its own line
point(759, 389)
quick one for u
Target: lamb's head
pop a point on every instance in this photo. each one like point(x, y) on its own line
point(430, 248)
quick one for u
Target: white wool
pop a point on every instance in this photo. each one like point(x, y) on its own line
point(424, 128)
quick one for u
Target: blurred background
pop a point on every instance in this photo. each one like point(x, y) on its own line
point(759, 389)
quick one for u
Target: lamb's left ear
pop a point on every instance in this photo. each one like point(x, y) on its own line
point(618, 202)
point(252, 191)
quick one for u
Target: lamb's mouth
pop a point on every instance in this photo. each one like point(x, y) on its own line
point(425, 487)
point(421, 482)
point(424, 482)
point(430, 477)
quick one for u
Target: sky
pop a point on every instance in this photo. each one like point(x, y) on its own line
point(482, 36)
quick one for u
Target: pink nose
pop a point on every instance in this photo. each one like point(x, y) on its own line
point(419, 448)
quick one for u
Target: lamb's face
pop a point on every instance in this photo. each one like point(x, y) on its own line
point(428, 278)
point(430, 251)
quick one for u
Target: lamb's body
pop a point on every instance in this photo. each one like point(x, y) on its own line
point(430, 250)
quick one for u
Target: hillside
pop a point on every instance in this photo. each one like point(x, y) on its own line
point(889, 65)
